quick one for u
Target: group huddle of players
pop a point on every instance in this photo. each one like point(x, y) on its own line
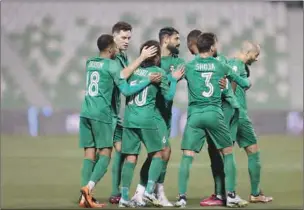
point(217, 113)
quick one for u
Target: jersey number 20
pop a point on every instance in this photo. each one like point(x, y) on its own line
point(207, 77)
point(141, 98)
point(92, 83)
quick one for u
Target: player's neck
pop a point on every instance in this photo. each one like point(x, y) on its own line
point(104, 55)
point(205, 55)
point(165, 51)
point(241, 57)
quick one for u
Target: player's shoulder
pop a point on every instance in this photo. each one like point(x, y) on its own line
point(236, 64)
point(179, 60)
point(96, 63)
point(156, 69)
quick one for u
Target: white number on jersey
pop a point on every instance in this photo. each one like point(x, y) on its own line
point(207, 77)
point(139, 99)
point(92, 87)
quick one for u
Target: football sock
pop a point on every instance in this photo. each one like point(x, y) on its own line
point(86, 171)
point(183, 175)
point(116, 172)
point(144, 172)
point(230, 172)
point(100, 168)
point(217, 168)
point(127, 176)
point(154, 173)
point(163, 172)
point(254, 169)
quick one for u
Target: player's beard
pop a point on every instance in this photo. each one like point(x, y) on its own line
point(215, 54)
point(173, 49)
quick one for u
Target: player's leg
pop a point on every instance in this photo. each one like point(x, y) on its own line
point(219, 134)
point(192, 142)
point(117, 163)
point(130, 148)
point(102, 135)
point(247, 139)
point(152, 140)
point(217, 169)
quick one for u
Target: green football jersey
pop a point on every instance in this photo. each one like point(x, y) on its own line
point(220, 57)
point(204, 92)
point(141, 111)
point(123, 62)
point(102, 75)
point(168, 64)
point(240, 68)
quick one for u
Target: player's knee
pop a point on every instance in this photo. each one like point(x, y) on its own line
point(90, 153)
point(117, 146)
point(166, 153)
point(157, 154)
point(227, 150)
point(251, 149)
point(131, 158)
point(105, 152)
point(189, 153)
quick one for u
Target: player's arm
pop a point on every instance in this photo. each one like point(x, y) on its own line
point(231, 75)
point(168, 91)
point(145, 53)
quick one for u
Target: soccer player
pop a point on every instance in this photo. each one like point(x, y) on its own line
point(170, 41)
point(244, 133)
point(122, 32)
point(230, 110)
point(141, 124)
point(95, 129)
point(205, 116)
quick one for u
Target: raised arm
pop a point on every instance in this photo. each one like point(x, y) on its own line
point(128, 90)
point(145, 53)
point(231, 75)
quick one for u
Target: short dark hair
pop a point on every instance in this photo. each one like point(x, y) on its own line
point(214, 36)
point(150, 61)
point(121, 26)
point(104, 41)
point(193, 35)
point(205, 41)
point(169, 31)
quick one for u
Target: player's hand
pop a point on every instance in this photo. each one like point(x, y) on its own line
point(148, 52)
point(179, 72)
point(155, 77)
point(223, 83)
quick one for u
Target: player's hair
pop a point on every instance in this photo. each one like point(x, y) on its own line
point(193, 35)
point(205, 41)
point(121, 26)
point(104, 41)
point(166, 31)
point(214, 36)
point(150, 61)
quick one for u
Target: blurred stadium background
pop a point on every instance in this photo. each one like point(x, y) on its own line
point(44, 46)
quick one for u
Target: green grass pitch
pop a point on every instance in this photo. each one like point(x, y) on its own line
point(44, 172)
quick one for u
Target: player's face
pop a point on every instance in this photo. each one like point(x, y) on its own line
point(252, 57)
point(192, 48)
point(173, 43)
point(122, 39)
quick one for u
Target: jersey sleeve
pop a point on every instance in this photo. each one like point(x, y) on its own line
point(232, 75)
point(168, 91)
point(125, 88)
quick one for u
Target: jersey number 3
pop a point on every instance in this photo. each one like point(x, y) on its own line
point(141, 98)
point(207, 77)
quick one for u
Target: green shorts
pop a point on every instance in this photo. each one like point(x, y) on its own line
point(244, 132)
point(199, 124)
point(117, 133)
point(231, 116)
point(164, 131)
point(132, 138)
point(95, 134)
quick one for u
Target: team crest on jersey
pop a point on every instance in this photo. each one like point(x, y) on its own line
point(234, 68)
point(171, 68)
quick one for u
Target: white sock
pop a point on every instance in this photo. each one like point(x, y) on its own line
point(160, 189)
point(91, 185)
point(140, 190)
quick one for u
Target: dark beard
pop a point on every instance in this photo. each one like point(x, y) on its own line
point(173, 50)
point(215, 54)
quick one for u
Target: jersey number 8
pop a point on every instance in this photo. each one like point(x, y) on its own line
point(139, 99)
point(207, 77)
point(92, 83)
